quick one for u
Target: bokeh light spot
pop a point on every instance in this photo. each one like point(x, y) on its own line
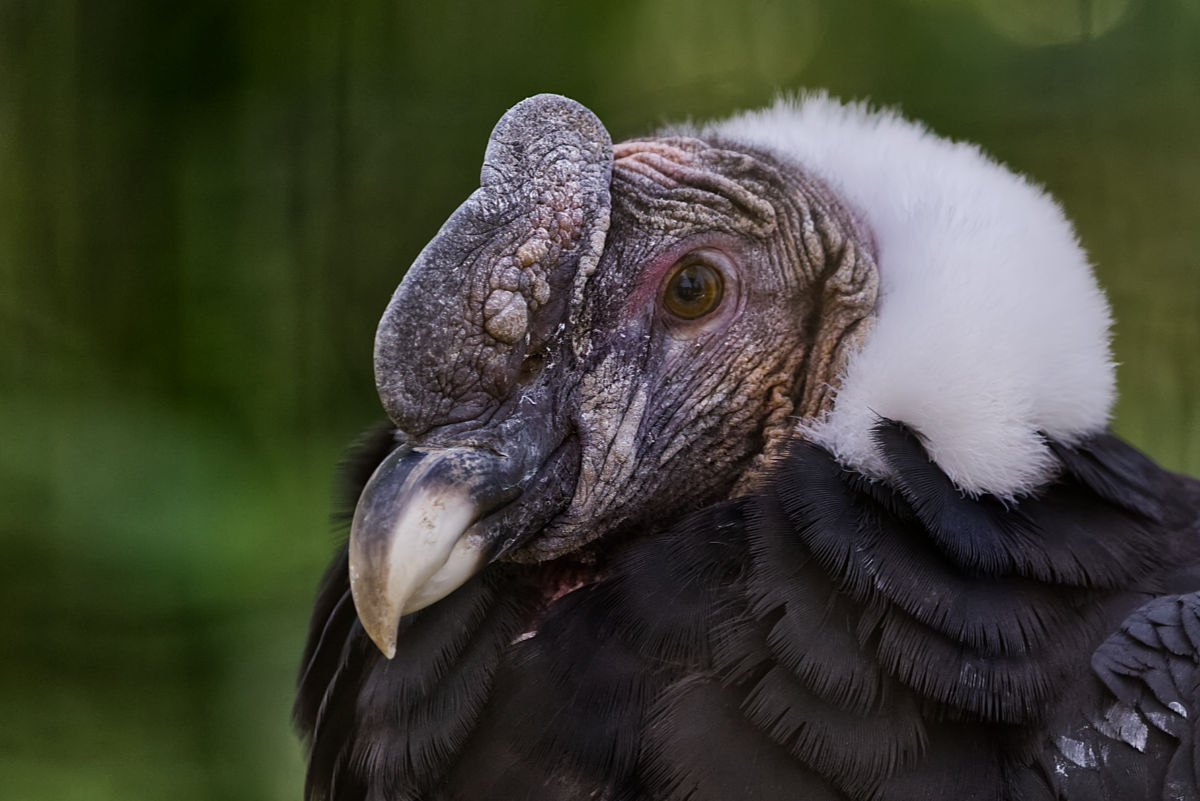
point(1037, 23)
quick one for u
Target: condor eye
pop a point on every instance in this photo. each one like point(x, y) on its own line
point(694, 287)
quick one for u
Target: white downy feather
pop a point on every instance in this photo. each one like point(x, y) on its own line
point(991, 327)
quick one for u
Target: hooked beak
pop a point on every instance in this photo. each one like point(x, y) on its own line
point(413, 539)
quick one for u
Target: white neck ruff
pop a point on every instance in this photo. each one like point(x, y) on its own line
point(991, 329)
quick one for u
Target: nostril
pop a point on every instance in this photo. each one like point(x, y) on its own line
point(531, 368)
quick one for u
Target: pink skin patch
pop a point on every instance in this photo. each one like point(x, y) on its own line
point(558, 581)
point(652, 283)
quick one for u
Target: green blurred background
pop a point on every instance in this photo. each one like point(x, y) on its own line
point(204, 207)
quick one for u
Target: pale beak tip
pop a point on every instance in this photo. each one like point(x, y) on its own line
point(379, 620)
point(383, 635)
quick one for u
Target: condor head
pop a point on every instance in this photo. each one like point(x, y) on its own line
point(598, 340)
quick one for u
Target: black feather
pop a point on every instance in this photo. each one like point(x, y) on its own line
point(684, 764)
point(411, 722)
point(981, 535)
point(1116, 472)
point(854, 752)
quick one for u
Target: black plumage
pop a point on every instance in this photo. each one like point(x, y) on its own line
point(825, 637)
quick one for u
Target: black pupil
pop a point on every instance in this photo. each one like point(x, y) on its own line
point(694, 291)
point(689, 287)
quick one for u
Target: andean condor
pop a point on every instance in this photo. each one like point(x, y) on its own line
point(764, 460)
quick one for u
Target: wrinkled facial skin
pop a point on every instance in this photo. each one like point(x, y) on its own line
point(671, 413)
point(548, 399)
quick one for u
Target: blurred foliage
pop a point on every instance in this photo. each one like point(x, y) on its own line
point(204, 207)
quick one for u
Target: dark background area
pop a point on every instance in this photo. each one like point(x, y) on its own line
point(204, 207)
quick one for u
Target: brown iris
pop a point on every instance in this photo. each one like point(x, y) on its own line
point(694, 288)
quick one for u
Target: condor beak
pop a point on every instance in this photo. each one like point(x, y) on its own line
point(414, 539)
